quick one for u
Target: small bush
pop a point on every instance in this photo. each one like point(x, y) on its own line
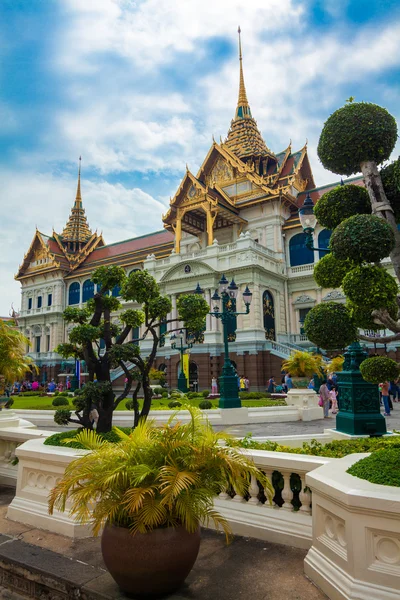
point(9, 403)
point(205, 393)
point(58, 438)
point(164, 394)
point(329, 325)
point(174, 404)
point(56, 393)
point(379, 368)
point(205, 405)
point(26, 394)
point(129, 405)
point(62, 416)
point(158, 391)
point(362, 238)
point(63, 394)
point(254, 395)
point(60, 401)
point(370, 286)
point(382, 467)
point(340, 203)
point(78, 392)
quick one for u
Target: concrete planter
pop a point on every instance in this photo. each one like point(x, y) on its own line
point(306, 401)
point(355, 553)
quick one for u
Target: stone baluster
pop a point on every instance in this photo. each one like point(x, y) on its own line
point(254, 490)
point(304, 496)
point(223, 495)
point(268, 473)
point(287, 493)
point(237, 497)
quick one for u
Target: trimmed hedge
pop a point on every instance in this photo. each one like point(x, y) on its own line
point(174, 404)
point(329, 326)
point(357, 132)
point(339, 204)
point(60, 401)
point(362, 238)
point(205, 405)
point(371, 287)
point(379, 368)
point(329, 271)
point(254, 395)
point(382, 467)
point(58, 438)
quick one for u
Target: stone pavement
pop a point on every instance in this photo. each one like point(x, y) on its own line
point(40, 565)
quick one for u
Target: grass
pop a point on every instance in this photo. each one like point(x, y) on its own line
point(44, 403)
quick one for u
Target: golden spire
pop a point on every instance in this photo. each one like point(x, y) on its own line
point(76, 232)
point(242, 101)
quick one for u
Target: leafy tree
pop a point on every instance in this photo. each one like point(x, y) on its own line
point(105, 345)
point(359, 137)
point(14, 364)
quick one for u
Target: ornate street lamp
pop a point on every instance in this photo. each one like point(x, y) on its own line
point(182, 341)
point(308, 221)
point(228, 386)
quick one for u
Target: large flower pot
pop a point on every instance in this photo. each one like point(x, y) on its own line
point(300, 382)
point(149, 564)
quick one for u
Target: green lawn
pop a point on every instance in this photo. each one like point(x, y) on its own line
point(44, 403)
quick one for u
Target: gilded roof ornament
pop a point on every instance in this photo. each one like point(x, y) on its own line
point(77, 229)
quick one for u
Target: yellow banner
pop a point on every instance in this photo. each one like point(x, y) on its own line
point(185, 361)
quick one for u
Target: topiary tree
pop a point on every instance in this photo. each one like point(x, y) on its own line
point(378, 369)
point(104, 343)
point(359, 137)
point(329, 325)
point(362, 238)
point(342, 202)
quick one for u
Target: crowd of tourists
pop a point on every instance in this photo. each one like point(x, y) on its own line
point(52, 386)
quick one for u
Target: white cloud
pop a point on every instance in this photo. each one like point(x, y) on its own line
point(45, 201)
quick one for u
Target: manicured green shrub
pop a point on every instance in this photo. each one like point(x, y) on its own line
point(63, 393)
point(174, 404)
point(329, 326)
point(56, 393)
point(362, 317)
point(371, 287)
point(205, 393)
point(381, 467)
point(58, 438)
point(205, 405)
point(329, 271)
point(62, 416)
point(390, 176)
point(129, 405)
point(339, 204)
point(158, 391)
point(60, 401)
point(164, 393)
point(254, 395)
point(362, 238)
point(357, 132)
point(78, 392)
point(26, 394)
point(9, 403)
point(379, 368)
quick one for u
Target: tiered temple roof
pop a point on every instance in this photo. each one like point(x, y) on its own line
point(76, 232)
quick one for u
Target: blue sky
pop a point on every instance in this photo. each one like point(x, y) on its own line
point(138, 88)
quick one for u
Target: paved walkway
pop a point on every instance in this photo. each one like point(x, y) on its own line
point(37, 564)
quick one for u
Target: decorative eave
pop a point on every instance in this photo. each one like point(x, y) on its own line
point(55, 264)
point(94, 242)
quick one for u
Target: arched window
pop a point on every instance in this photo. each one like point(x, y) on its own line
point(269, 315)
point(298, 251)
point(73, 293)
point(323, 240)
point(116, 291)
point(87, 290)
point(133, 271)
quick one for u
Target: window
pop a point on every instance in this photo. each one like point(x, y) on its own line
point(116, 291)
point(269, 315)
point(48, 343)
point(323, 240)
point(135, 333)
point(37, 343)
point(298, 251)
point(29, 303)
point(102, 344)
point(74, 293)
point(39, 301)
point(87, 290)
point(49, 299)
point(163, 331)
point(303, 312)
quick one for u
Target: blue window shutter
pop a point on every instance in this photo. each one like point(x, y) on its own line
point(298, 251)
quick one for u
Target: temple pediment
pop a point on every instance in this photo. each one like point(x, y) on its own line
point(40, 256)
point(185, 270)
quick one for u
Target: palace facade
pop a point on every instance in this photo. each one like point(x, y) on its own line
point(237, 215)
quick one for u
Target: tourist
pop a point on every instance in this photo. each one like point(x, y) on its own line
point(247, 383)
point(284, 386)
point(60, 387)
point(289, 382)
point(333, 400)
point(214, 387)
point(311, 384)
point(52, 386)
point(385, 397)
point(68, 383)
point(35, 386)
point(8, 390)
point(271, 386)
point(242, 384)
point(392, 394)
point(324, 397)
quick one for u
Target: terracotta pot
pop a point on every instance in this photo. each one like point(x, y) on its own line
point(149, 564)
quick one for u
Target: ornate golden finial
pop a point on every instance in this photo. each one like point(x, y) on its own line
point(242, 100)
point(78, 199)
point(187, 168)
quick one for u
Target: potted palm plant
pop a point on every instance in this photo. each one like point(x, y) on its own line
point(149, 493)
point(302, 366)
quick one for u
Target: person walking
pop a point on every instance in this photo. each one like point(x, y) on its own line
point(289, 382)
point(392, 393)
point(385, 397)
point(242, 384)
point(324, 395)
point(247, 384)
point(271, 386)
point(333, 400)
point(214, 387)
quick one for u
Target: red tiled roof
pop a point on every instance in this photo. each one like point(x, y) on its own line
point(320, 191)
point(127, 246)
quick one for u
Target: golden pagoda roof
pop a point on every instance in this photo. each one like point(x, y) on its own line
point(77, 228)
point(244, 138)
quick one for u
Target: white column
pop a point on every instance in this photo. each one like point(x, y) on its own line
point(208, 317)
point(174, 311)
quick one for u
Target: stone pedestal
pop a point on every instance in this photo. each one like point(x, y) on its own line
point(306, 401)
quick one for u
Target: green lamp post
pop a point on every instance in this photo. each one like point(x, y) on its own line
point(359, 406)
point(228, 386)
point(308, 222)
point(182, 341)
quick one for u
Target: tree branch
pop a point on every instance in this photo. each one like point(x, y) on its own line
point(128, 384)
point(380, 340)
